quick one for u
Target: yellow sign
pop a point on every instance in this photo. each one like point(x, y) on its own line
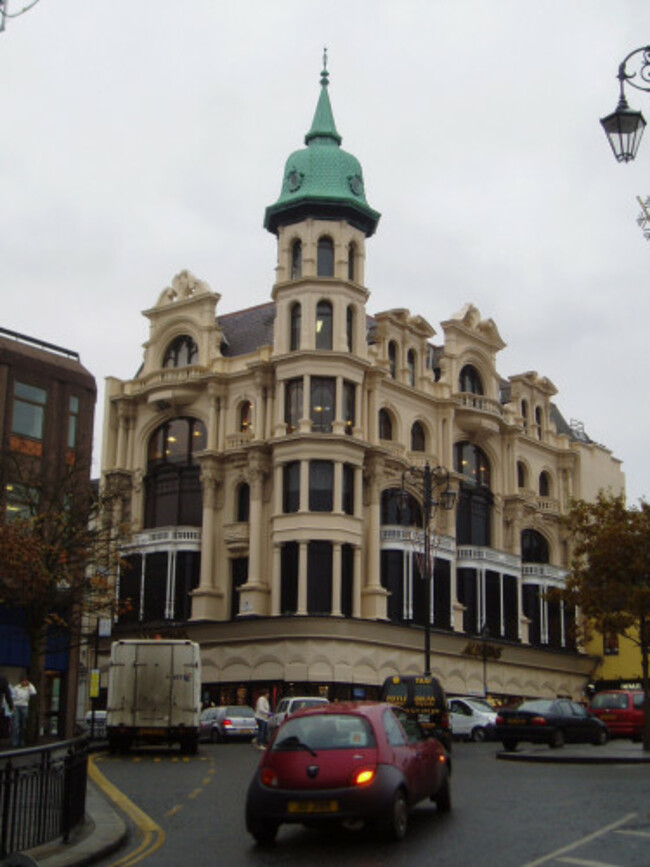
point(94, 683)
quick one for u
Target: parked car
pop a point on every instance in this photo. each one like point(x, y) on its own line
point(234, 722)
point(622, 711)
point(424, 699)
point(292, 704)
point(547, 721)
point(472, 718)
point(347, 763)
point(228, 723)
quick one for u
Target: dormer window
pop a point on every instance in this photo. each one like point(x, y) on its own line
point(296, 260)
point(470, 381)
point(324, 325)
point(181, 352)
point(295, 326)
point(325, 258)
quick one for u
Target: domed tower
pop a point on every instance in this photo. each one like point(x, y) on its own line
point(321, 220)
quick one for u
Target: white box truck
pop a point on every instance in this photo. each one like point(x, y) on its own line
point(154, 694)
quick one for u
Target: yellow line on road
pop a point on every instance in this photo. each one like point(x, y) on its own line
point(555, 855)
point(153, 834)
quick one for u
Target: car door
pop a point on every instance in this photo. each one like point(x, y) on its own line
point(461, 718)
point(415, 753)
point(583, 725)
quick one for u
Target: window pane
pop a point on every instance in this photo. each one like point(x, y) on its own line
point(293, 404)
point(324, 325)
point(325, 258)
point(323, 393)
point(321, 486)
point(348, 489)
point(349, 406)
point(29, 410)
point(291, 492)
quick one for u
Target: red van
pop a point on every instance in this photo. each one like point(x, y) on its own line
point(621, 710)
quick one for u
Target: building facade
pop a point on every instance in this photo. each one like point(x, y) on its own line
point(47, 406)
point(264, 454)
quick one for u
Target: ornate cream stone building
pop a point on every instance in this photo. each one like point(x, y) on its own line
point(263, 456)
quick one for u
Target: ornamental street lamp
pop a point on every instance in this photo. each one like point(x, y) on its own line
point(429, 480)
point(624, 127)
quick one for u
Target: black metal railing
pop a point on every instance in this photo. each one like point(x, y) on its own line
point(42, 794)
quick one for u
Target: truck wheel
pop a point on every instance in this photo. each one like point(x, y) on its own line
point(189, 746)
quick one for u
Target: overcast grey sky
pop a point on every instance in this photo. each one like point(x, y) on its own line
point(148, 136)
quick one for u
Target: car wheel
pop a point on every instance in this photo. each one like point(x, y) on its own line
point(442, 798)
point(478, 735)
point(264, 833)
point(557, 739)
point(600, 738)
point(398, 817)
point(509, 744)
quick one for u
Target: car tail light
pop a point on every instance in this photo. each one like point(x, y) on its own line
point(227, 723)
point(268, 777)
point(538, 721)
point(363, 776)
point(500, 720)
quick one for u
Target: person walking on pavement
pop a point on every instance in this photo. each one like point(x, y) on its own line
point(262, 715)
point(6, 707)
point(22, 693)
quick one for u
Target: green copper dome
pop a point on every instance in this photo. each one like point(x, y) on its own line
point(322, 180)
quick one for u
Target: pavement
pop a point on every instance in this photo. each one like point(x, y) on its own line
point(105, 829)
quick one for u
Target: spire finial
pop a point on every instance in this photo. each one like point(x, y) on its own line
point(324, 76)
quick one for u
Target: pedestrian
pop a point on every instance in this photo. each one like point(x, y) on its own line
point(22, 694)
point(6, 707)
point(262, 715)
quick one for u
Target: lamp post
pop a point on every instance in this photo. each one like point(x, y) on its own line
point(485, 634)
point(624, 127)
point(429, 480)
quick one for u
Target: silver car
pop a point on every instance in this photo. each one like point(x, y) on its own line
point(232, 722)
point(292, 704)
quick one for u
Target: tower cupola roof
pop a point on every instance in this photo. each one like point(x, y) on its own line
point(322, 180)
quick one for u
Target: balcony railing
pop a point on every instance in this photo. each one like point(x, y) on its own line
point(479, 402)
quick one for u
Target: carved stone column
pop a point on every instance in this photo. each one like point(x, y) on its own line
point(373, 596)
point(207, 598)
point(254, 595)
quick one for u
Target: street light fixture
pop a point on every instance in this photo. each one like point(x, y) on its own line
point(429, 480)
point(624, 127)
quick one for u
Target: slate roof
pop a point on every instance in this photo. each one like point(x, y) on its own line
point(244, 331)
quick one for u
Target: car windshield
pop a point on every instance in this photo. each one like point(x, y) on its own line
point(610, 700)
point(303, 703)
point(238, 710)
point(325, 732)
point(479, 704)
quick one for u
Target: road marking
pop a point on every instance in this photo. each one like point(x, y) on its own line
point(173, 811)
point(584, 863)
point(555, 855)
point(153, 834)
point(194, 794)
point(635, 833)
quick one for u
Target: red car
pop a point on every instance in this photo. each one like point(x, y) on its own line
point(621, 710)
point(347, 763)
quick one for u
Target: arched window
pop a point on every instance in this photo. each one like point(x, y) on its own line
point(172, 485)
point(539, 418)
point(322, 403)
point(245, 416)
point(521, 475)
point(349, 327)
point(181, 352)
point(296, 260)
point(295, 326)
point(410, 366)
point(324, 325)
point(524, 414)
point(417, 437)
point(325, 257)
point(534, 547)
point(544, 484)
point(392, 358)
point(352, 261)
point(470, 380)
point(472, 462)
point(385, 425)
point(243, 502)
